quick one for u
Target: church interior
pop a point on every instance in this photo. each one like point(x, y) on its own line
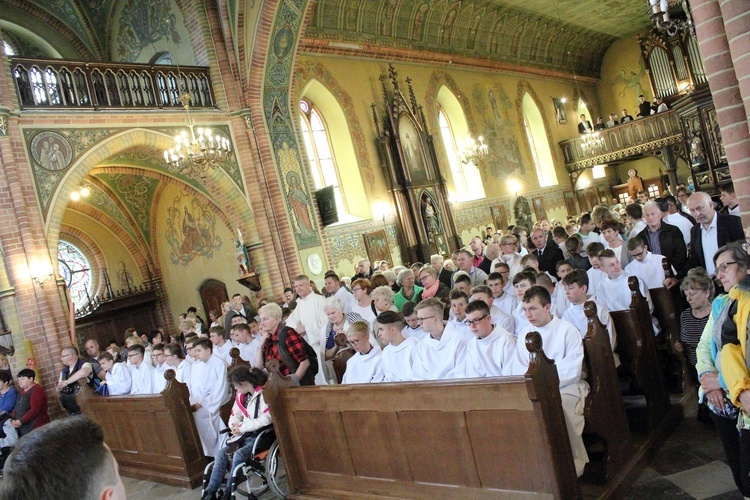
point(337, 131)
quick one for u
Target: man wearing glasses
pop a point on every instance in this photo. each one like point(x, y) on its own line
point(74, 369)
point(141, 373)
point(663, 239)
point(646, 265)
point(442, 354)
point(490, 352)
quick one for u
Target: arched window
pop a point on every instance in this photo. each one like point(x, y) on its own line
point(467, 182)
point(8, 49)
point(74, 268)
point(320, 154)
point(162, 58)
point(536, 134)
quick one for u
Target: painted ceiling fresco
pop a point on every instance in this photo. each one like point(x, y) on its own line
point(540, 33)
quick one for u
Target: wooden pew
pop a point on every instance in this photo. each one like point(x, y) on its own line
point(226, 408)
point(473, 438)
point(604, 411)
point(637, 350)
point(341, 357)
point(153, 437)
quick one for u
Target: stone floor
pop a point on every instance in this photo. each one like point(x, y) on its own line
point(690, 465)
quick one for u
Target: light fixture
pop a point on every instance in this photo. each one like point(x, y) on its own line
point(474, 151)
point(514, 186)
point(83, 191)
point(381, 210)
point(598, 172)
point(40, 272)
point(197, 153)
point(592, 143)
point(664, 22)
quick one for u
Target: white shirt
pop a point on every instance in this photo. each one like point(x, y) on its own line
point(709, 240)
point(440, 359)
point(596, 276)
point(735, 210)
point(364, 368)
point(514, 264)
point(491, 356)
point(650, 271)
point(559, 300)
point(562, 343)
point(621, 253)
point(397, 361)
point(576, 317)
point(366, 313)
point(119, 380)
point(591, 237)
point(248, 350)
point(160, 383)
point(208, 384)
point(615, 295)
point(507, 303)
point(310, 313)
point(143, 378)
point(682, 223)
point(637, 228)
point(499, 318)
point(522, 323)
point(416, 333)
point(460, 326)
point(183, 370)
point(346, 298)
point(223, 353)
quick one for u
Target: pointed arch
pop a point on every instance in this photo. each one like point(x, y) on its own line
point(538, 136)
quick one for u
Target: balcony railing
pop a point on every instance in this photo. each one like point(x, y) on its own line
point(623, 141)
point(59, 84)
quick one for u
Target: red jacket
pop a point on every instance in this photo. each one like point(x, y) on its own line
point(38, 411)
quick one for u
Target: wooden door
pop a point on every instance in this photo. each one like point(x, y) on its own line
point(213, 293)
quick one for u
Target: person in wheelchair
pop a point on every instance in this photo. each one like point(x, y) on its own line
point(250, 415)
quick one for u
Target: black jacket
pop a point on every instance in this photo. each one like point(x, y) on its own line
point(672, 245)
point(551, 256)
point(728, 230)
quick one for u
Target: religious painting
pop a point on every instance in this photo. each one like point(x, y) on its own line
point(433, 223)
point(559, 110)
point(376, 244)
point(441, 244)
point(500, 126)
point(570, 203)
point(51, 150)
point(191, 229)
point(411, 149)
point(499, 216)
point(540, 209)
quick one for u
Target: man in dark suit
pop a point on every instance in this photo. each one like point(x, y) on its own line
point(713, 231)
point(444, 275)
point(644, 107)
point(547, 254)
point(663, 239)
point(584, 125)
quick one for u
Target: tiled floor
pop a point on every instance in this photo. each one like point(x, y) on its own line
point(690, 465)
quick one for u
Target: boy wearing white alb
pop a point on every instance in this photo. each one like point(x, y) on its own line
point(646, 265)
point(503, 300)
point(398, 351)
point(562, 343)
point(441, 355)
point(499, 318)
point(490, 352)
point(366, 366)
point(412, 327)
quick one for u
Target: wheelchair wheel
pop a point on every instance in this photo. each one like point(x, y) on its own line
point(254, 483)
point(276, 472)
point(207, 475)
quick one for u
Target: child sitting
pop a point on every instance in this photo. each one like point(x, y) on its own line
point(367, 365)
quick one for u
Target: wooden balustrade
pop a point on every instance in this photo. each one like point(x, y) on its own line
point(60, 84)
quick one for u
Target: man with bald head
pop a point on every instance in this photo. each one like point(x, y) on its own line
point(712, 231)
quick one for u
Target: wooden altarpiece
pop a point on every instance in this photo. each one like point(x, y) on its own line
point(413, 178)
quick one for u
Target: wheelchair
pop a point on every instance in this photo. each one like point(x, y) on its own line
point(263, 470)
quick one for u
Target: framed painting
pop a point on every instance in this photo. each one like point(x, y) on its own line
point(560, 110)
point(441, 244)
point(376, 244)
point(499, 216)
point(570, 204)
point(412, 152)
point(540, 209)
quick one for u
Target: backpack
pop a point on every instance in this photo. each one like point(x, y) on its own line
point(290, 362)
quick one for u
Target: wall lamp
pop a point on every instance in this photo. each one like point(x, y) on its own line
point(40, 273)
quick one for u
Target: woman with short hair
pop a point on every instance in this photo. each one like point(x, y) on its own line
point(409, 290)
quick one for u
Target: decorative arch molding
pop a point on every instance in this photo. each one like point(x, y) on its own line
point(437, 80)
point(90, 250)
point(309, 71)
point(221, 188)
point(524, 87)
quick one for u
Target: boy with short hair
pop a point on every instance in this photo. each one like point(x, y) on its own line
point(142, 373)
point(576, 290)
point(366, 366)
point(398, 351)
point(499, 318)
point(506, 302)
point(209, 390)
point(441, 355)
point(490, 352)
point(462, 282)
point(646, 265)
point(595, 274)
point(459, 300)
point(412, 328)
point(157, 355)
point(522, 282)
point(562, 342)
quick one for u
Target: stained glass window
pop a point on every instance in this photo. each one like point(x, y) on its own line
point(74, 268)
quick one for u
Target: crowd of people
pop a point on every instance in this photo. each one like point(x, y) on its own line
point(462, 317)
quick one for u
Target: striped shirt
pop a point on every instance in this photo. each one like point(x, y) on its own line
point(691, 329)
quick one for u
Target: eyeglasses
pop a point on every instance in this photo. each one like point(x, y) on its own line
point(636, 255)
point(422, 320)
point(722, 268)
point(475, 322)
point(356, 289)
point(133, 354)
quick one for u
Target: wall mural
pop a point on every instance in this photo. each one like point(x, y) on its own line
point(630, 81)
point(142, 23)
point(280, 116)
point(191, 229)
point(492, 104)
point(135, 192)
point(349, 244)
point(107, 205)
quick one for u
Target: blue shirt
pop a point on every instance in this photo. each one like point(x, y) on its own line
point(8, 400)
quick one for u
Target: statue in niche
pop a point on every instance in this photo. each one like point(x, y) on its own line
point(635, 184)
point(696, 150)
point(522, 212)
point(431, 218)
